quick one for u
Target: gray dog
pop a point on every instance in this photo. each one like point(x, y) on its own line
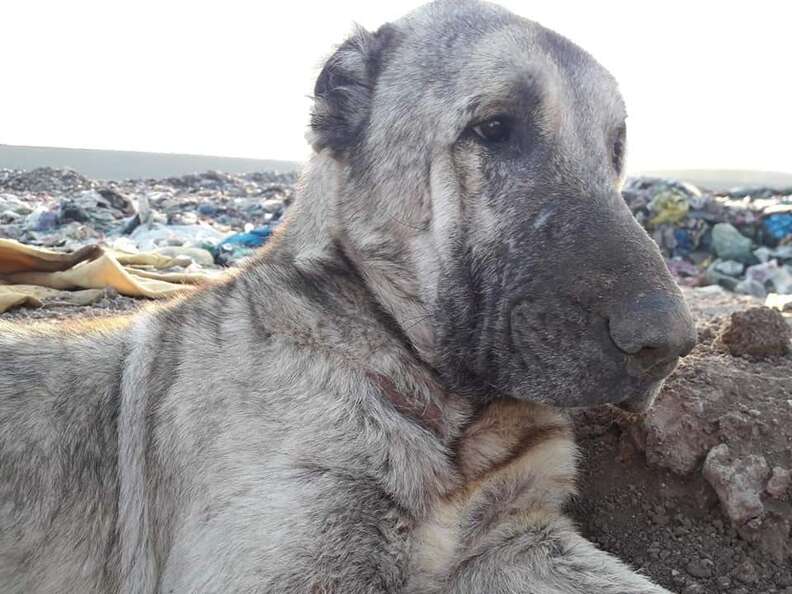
point(353, 411)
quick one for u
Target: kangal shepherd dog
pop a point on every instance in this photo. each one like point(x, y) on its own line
point(368, 406)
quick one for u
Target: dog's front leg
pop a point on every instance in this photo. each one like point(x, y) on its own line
point(503, 530)
point(470, 548)
point(532, 554)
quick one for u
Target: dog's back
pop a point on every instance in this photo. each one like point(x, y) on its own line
point(59, 403)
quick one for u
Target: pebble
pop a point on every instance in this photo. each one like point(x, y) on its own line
point(700, 568)
point(738, 481)
point(779, 482)
point(723, 581)
point(746, 572)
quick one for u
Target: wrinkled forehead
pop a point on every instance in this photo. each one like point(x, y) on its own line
point(478, 60)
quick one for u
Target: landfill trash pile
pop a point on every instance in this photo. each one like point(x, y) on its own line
point(138, 238)
point(216, 219)
point(740, 240)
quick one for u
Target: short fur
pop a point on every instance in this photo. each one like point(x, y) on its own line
point(340, 416)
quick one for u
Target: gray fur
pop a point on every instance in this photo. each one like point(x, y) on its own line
point(299, 427)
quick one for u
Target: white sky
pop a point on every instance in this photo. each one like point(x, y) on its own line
point(708, 84)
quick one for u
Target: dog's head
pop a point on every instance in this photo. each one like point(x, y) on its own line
point(480, 158)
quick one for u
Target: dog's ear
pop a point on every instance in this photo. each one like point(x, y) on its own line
point(344, 89)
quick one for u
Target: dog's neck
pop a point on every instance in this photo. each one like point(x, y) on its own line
point(384, 345)
point(315, 233)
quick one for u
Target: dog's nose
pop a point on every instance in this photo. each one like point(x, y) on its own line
point(655, 329)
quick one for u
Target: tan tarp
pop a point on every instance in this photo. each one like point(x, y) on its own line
point(25, 269)
point(12, 296)
point(17, 257)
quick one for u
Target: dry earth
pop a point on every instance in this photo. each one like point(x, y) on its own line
point(695, 493)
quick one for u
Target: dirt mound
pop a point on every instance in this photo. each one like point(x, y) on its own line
point(696, 493)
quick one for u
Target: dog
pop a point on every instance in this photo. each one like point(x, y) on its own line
point(364, 407)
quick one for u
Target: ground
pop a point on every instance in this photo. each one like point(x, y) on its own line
point(644, 494)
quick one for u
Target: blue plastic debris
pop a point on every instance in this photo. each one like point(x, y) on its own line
point(779, 225)
point(252, 239)
point(207, 209)
point(241, 245)
point(685, 243)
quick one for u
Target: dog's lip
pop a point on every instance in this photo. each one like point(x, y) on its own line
point(642, 401)
point(656, 372)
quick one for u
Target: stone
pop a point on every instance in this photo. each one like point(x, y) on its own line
point(700, 568)
point(746, 572)
point(676, 436)
point(784, 578)
point(778, 484)
point(771, 534)
point(738, 482)
point(724, 581)
point(272, 205)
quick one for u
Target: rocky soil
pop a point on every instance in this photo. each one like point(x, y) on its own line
point(697, 492)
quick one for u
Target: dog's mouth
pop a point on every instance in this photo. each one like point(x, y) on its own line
point(570, 355)
point(656, 370)
point(643, 400)
point(651, 380)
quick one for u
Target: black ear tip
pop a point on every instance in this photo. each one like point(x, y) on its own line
point(343, 88)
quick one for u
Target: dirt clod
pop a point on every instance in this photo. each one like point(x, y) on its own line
point(739, 482)
point(758, 332)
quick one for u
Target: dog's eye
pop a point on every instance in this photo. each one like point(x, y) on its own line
point(493, 130)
